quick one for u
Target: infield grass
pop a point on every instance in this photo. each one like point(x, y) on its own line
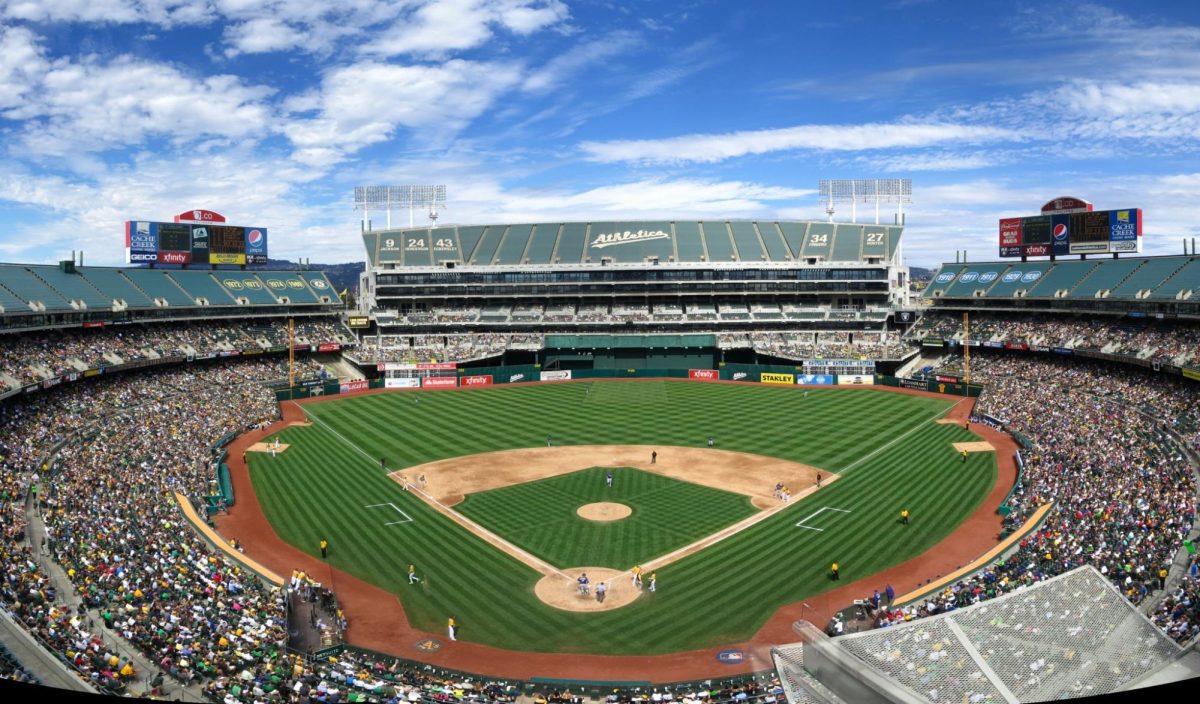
point(894, 455)
point(667, 514)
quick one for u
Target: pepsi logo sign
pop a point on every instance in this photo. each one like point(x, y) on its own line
point(1031, 276)
point(988, 277)
point(969, 277)
point(1060, 232)
point(1011, 276)
point(255, 238)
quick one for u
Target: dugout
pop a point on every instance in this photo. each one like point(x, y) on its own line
point(629, 352)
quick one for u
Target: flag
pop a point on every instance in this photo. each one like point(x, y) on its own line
point(1190, 547)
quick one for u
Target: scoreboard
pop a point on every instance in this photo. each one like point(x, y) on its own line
point(183, 243)
point(1058, 234)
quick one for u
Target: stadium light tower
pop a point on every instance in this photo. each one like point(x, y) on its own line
point(873, 190)
point(367, 198)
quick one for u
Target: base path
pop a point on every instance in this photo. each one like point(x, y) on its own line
point(449, 481)
point(376, 626)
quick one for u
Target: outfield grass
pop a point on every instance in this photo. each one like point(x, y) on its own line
point(667, 514)
point(322, 484)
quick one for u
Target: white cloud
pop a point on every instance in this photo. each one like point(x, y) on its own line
point(93, 105)
point(708, 148)
point(22, 60)
point(559, 69)
point(365, 103)
point(164, 13)
point(436, 27)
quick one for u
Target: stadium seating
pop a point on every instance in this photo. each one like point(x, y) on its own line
point(1149, 276)
point(25, 286)
point(1185, 282)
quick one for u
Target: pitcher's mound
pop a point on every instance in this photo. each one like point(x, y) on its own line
point(604, 511)
point(562, 592)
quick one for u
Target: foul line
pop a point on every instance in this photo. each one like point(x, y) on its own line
point(800, 524)
point(897, 439)
point(324, 425)
point(407, 518)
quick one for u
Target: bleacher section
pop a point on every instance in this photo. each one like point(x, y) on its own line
point(627, 242)
point(21, 282)
point(24, 290)
point(1140, 278)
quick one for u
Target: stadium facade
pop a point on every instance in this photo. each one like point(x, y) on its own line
point(636, 277)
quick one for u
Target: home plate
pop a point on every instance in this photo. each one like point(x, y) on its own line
point(973, 446)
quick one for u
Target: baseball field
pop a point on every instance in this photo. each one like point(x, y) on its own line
point(500, 516)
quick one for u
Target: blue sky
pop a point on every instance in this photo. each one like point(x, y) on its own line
point(271, 111)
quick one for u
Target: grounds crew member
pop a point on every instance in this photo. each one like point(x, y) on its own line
point(904, 516)
point(324, 548)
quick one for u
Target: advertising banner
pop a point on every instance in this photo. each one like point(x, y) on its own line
point(439, 382)
point(477, 380)
point(1010, 232)
point(226, 258)
point(256, 245)
point(994, 343)
point(328, 347)
point(356, 385)
point(407, 382)
point(1191, 373)
point(515, 378)
point(556, 376)
point(704, 374)
point(199, 245)
point(1062, 350)
point(409, 366)
point(141, 242)
point(816, 379)
point(920, 384)
point(1015, 346)
point(772, 378)
point(358, 321)
point(948, 378)
point(855, 379)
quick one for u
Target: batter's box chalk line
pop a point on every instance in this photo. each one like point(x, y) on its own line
point(407, 518)
point(800, 524)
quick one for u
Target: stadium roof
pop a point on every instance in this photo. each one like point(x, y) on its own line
point(635, 242)
point(1128, 278)
point(50, 289)
point(1070, 636)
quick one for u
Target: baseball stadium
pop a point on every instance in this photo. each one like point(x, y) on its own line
point(699, 460)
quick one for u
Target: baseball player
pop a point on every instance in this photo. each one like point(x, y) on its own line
point(653, 580)
point(548, 440)
point(452, 628)
point(710, 441)
point(637, 577)
point(583, 584)
point(608, 479)
point(412, 574)
point(904, 516)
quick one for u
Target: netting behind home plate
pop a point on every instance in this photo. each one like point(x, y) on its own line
point(1070, 636)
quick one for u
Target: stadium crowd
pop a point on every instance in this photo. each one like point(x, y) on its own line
point(125, 443)
point(36, 356)
point(1124, 492)
point(1135, 337)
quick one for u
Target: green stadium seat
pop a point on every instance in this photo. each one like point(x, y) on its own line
point(27, 287)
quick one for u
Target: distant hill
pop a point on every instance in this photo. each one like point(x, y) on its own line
point(916, 273)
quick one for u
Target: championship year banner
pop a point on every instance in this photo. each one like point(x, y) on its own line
point(556, 376)
point(704, 374)
point(772, 378)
